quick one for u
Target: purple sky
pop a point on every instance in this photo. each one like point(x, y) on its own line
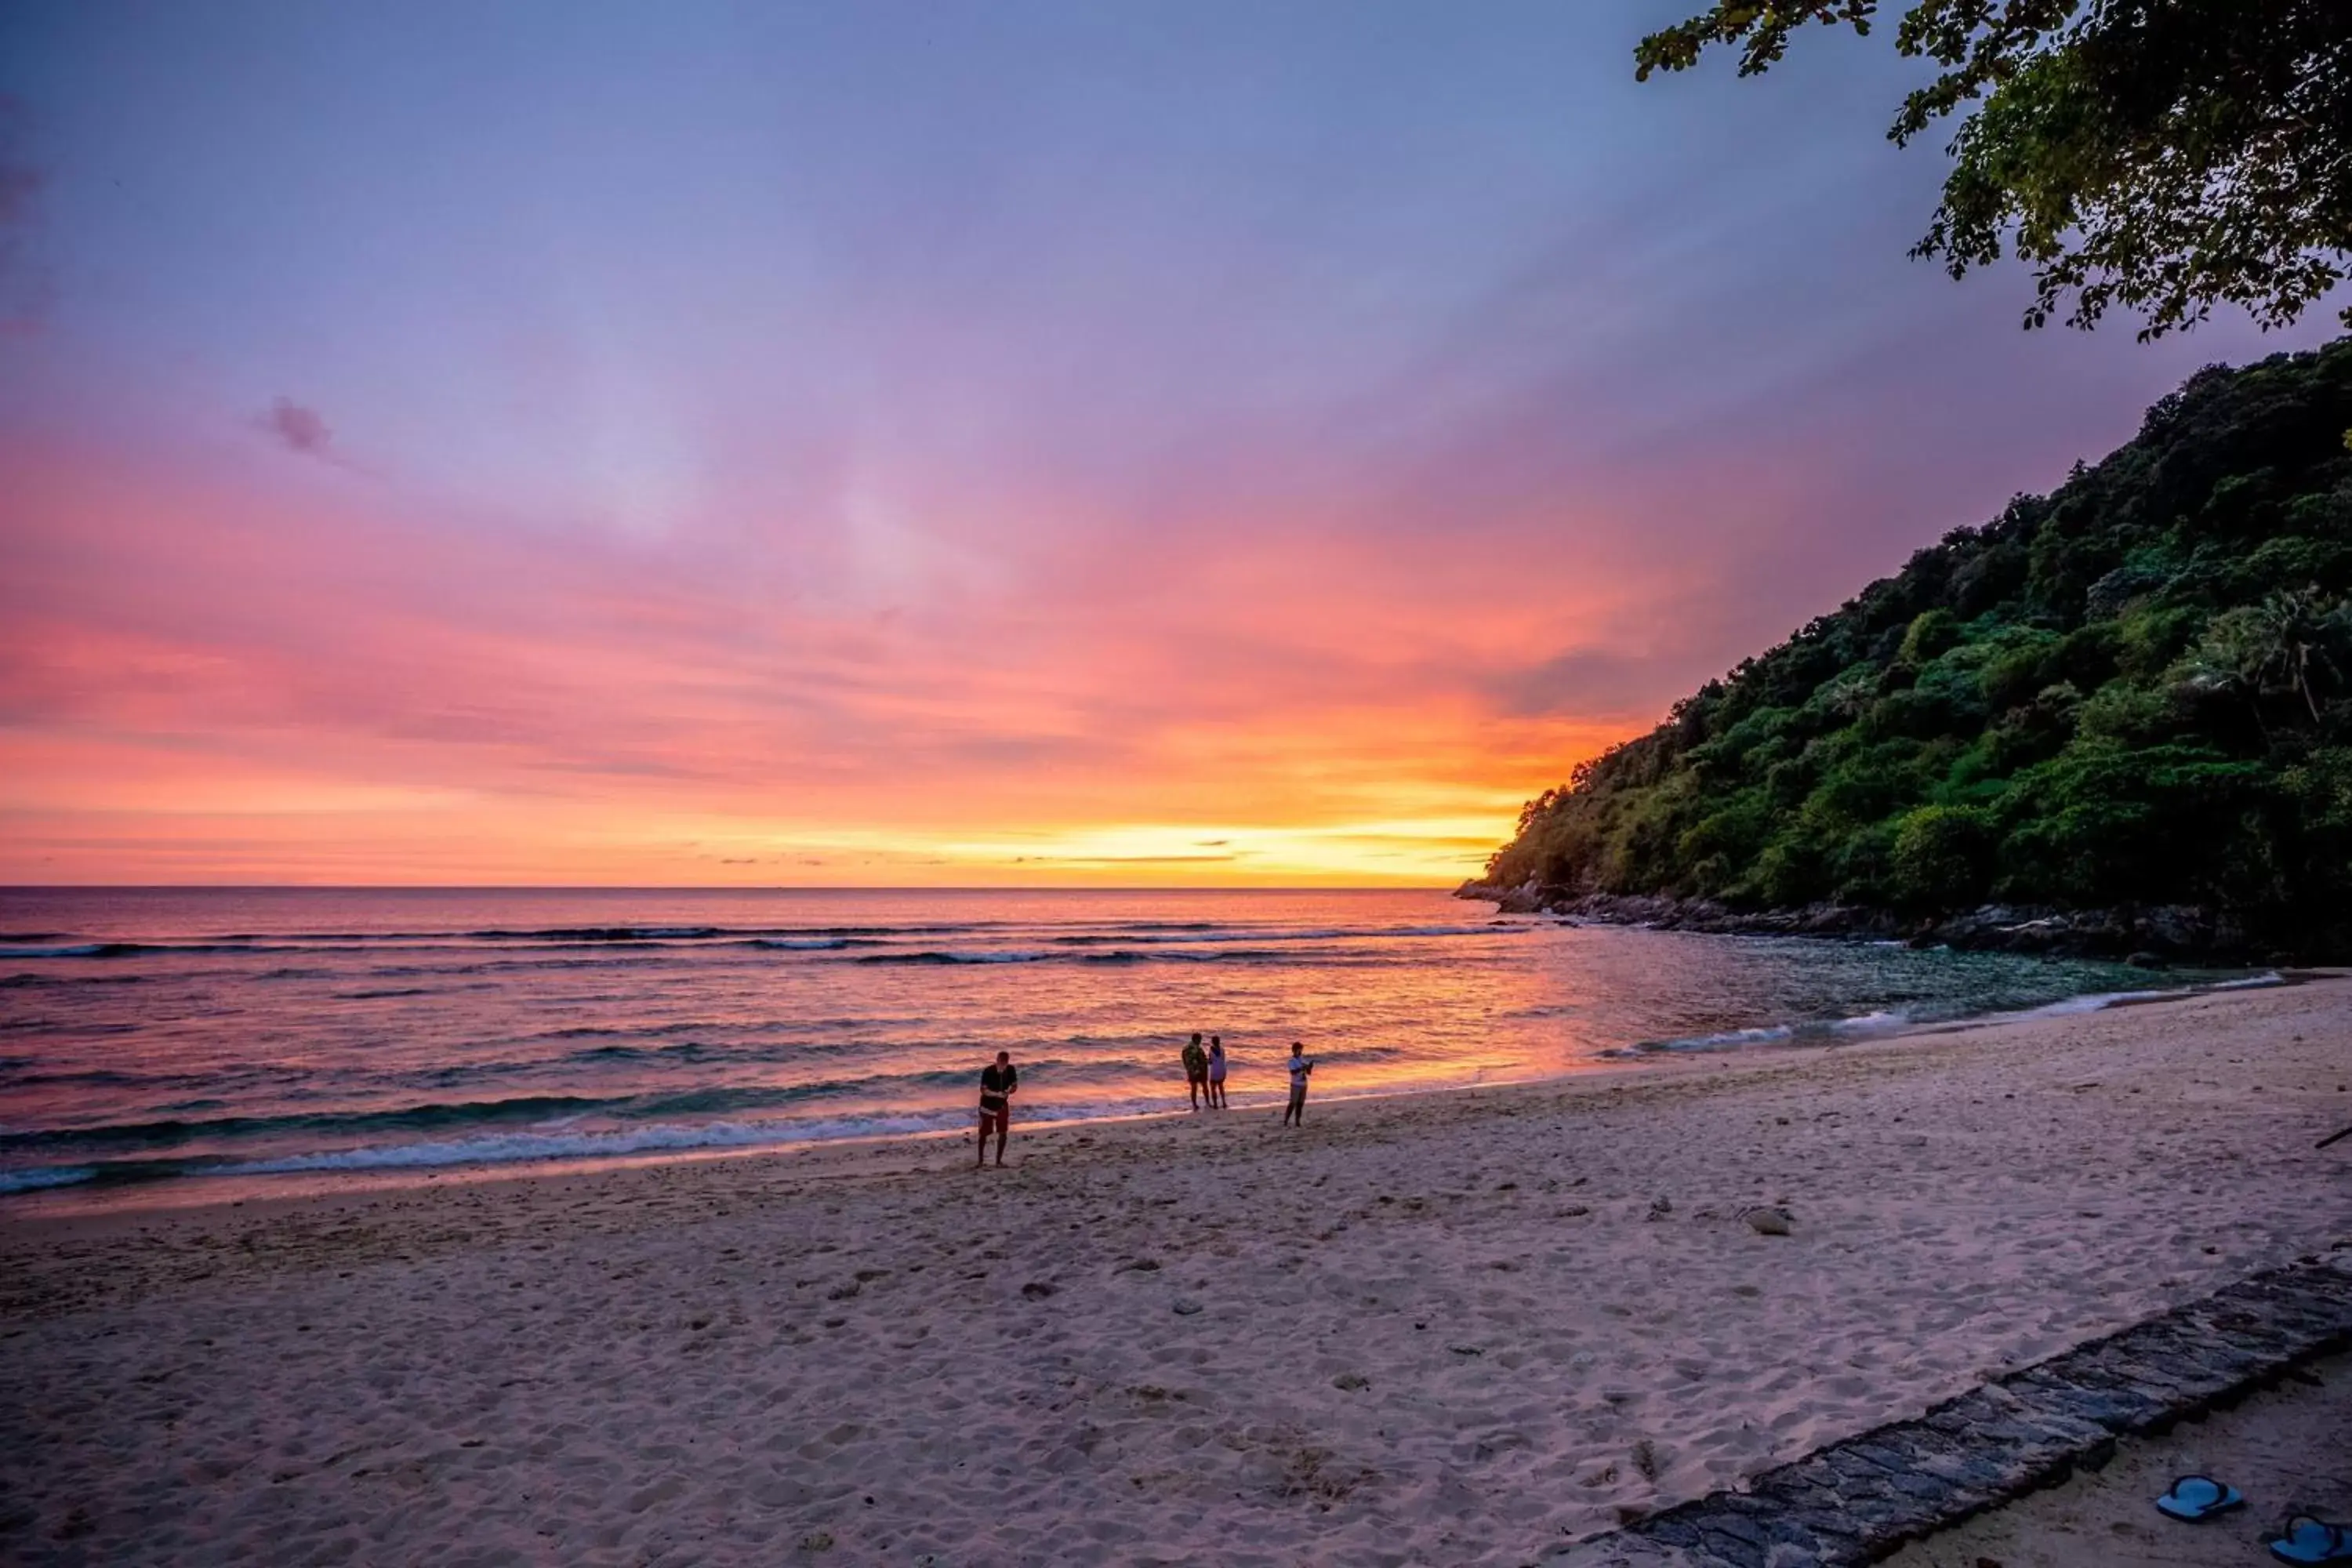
point(956, 443)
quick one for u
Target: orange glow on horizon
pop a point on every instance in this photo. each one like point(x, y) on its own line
point(224, 680)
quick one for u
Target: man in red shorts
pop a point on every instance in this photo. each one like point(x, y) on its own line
point(997, 1084)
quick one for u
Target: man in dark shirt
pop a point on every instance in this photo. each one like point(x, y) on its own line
point(997, 1084)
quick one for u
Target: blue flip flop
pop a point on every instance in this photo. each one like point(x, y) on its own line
point(2193, 1498)
point(2310, 1540)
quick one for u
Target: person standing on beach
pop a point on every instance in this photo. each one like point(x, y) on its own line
point(1196, 1072)
point(1300, 1065)
point(997, 1084)
point(1216, 1072)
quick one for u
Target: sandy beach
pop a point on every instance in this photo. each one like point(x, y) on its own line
point(1467, 1327)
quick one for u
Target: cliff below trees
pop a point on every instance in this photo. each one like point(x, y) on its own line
point(2116, 718)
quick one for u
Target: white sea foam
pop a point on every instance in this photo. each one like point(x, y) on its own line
point(656, 1138)
point(2097, 1001)
point(1098, 947)
point(984, 955)
point(1726, 1040)
point(550, 1141)
point(2089, 1001)
point(1329, 934)
point(2250, 983)
point(1872, 1022)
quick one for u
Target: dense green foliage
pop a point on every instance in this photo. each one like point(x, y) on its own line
point(2160, 154)
point(2138, 690)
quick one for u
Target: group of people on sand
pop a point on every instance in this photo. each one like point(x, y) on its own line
point(1204, 1073)
point(1204, 1083)
point(1205, 1077)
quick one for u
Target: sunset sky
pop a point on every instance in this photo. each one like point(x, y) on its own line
point(959, 443)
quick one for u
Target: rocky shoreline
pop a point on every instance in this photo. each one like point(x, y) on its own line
point(2151, 936)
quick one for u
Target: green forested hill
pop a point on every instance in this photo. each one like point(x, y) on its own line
point(2136, 691)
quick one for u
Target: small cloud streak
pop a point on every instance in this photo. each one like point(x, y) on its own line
point(301, 428)
point(24, 290)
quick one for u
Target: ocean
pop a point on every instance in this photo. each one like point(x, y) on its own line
point(156, 1039)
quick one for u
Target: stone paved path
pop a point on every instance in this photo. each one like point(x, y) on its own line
point(1859, 1500)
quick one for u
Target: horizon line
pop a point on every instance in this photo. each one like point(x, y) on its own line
point(703, 888)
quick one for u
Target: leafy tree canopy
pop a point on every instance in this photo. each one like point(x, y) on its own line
point(2163, 155)
point(2136, 689)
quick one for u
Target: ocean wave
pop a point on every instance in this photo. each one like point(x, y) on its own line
point(1891, 1020)
point(938, 955)
point(40, 1177)
point(561, 1142)
point(30, 1076)
point(1878, 1021)
point(1114, 955)
point(595, 934)
point(60, 981)
point(461, 942)
point(650, 1139)
point(2099, 1001)
point(638, 1104)
point(708, 932)
point(166, 1133)
point(2246, 983)
point(780, 1033)
point(143, 949)
point(621, 1031)
point(1722, 1040)
point(1325, 933)
point(686, 1051)
point(634, 959)
point(781, 938)
point(1884, 1019)
point(1220, 956)
point(656, 1138)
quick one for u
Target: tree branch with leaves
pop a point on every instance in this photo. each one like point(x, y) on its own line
point(2161, 156)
